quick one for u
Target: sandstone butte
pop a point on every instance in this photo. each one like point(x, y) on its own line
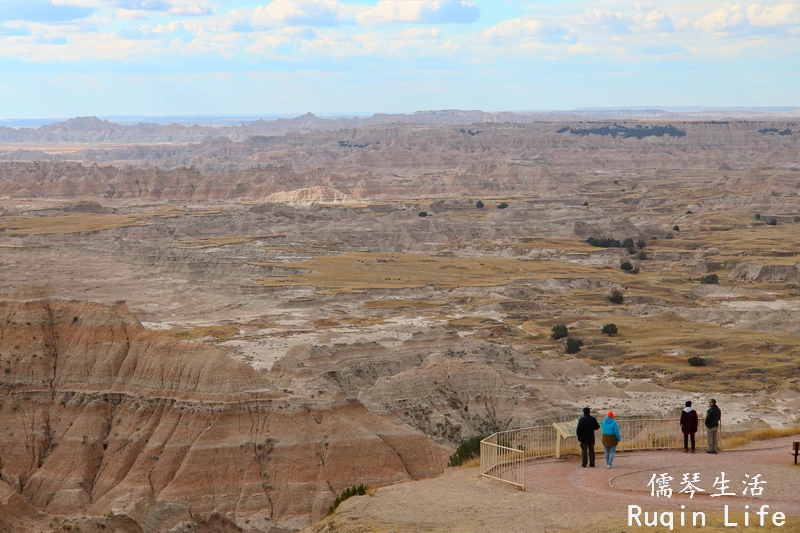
point(99, 414)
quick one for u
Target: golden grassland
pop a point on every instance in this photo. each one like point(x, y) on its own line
point(361, 270)
point(214, 242)
point(739, 440)
point(64, 223)
point(69, 223)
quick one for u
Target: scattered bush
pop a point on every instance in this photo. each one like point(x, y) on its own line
point(675, 228)
point(709, 279)
point(634, 271)
point(758, 216)
point(360, 490)
point(641, 256)
point(616, 297)
point(467, 450)
point(559, 332)
point(696, 360)
point(502, 205)
point(688, 212)
point(641, 244)
point(479, 204)
point(631, 250)
point(626, 266)
point(627, 242)
point(772, 222)
point(573, 345)
point(423, 213)
point(585, 204)
point(609, 329)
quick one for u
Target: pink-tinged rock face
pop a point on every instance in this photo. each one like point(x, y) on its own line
point(98, 413)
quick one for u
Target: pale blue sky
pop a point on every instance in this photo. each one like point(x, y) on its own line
point(61, 58)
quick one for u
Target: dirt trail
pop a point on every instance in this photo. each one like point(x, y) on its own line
point(564, 497)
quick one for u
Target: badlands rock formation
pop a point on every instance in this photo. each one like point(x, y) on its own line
point(98, 413)
point(340, 338)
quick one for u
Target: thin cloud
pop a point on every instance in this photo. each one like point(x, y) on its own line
point(421, 12)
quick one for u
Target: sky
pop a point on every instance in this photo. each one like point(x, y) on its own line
point(64, 58)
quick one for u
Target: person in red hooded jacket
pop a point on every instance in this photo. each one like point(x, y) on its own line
point(688, 426)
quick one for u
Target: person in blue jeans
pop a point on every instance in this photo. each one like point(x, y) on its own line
point(610, 431)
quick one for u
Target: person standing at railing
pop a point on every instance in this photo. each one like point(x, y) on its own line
point(611, 437)
point(713, 418)
point(587, 425)
point(688, 426)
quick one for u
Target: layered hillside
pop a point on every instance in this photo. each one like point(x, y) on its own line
point(99, 413)
point(406, 160)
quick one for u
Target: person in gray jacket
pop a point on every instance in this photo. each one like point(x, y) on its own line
point(713, 418)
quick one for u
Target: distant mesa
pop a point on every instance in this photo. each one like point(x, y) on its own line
point(615, 130)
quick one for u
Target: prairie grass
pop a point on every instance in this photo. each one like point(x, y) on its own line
point(739, 440)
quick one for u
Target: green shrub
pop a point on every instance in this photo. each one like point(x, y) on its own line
point(559, 332)
point(676, 228)
point(772, 222)
point(696, 360)
point(758, 216)
point(479, 204)
point(626, 266)
point(627, 242)
point(709, 279)
point(641, 243)
point(359, 490)
point(641, 256)
point(631, 250)
point(603, 242)
point(467, 450)
point(609, 329)
point(502, 205)
point(669, 236)
point(688, 212)
point(573, 345)
point(616, 297)
point(585, 204)
point(423, 213)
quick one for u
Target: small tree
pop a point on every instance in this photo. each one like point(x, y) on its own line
point(502, 205)
point(627, 242)
point(467, 450)
point(626, 266)
point(559, 332)
point(772, 222)
point(609, 329)
point(616, 297)
point(696, 360)
point(479, 204)
point(641, 244)
point(585, 204)
point(675, 228)
point(688, 212)
point(641, 256)
point(709, 279)
point(573, 345)
point(423, 213)
point(631, 250)
point(758, 216)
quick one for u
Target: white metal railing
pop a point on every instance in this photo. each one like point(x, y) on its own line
point(503, 454)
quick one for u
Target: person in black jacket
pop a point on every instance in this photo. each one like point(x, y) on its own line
point(713, 418)
point(587, 425)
